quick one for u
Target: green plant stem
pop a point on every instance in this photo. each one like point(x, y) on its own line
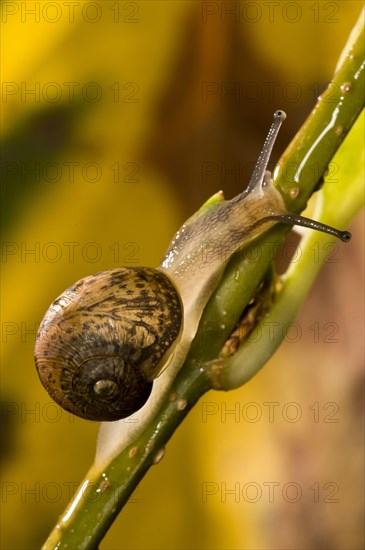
point(102, 494)
point(107, 488)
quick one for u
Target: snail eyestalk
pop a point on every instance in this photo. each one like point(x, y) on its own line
point(264, 157)
point(261, 178)
point(294, 219)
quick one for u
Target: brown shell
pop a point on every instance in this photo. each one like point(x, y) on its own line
point(101, 343)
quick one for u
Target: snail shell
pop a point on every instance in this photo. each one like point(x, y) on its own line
point(104, 340)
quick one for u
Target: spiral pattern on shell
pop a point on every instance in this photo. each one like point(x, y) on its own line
point(103, 341)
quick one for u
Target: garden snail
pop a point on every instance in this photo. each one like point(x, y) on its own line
point(106, 338)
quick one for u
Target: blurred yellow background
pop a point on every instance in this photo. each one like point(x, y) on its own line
point(118, 120)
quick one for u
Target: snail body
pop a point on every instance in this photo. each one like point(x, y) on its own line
point(106, 338)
